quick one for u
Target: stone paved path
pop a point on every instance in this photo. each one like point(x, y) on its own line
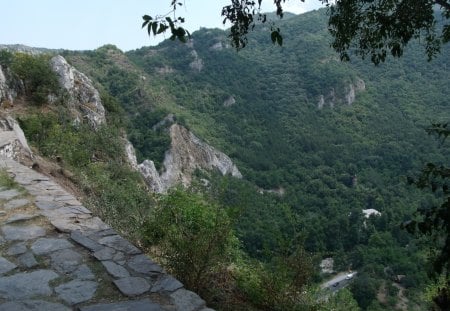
point(54, 255)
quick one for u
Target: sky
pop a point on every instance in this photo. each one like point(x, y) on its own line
point(89, 24)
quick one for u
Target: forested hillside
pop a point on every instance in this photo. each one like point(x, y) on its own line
point(317, 142)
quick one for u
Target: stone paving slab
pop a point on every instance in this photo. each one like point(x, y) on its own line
point(76, 291)
point(6, 266)
point(23, 233)
point(12, 204)
point(45, 245)
point(8, 194)
point(32, 305)
point(56, 255)
point(139, 305)
point(19, 218)
point(27, 284)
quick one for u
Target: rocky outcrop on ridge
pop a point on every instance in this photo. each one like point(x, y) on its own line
point(186, 154)
point(84, 99)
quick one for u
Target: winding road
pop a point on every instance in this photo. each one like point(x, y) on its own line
point(338, 282)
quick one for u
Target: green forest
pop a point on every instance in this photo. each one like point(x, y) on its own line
point(317, 140)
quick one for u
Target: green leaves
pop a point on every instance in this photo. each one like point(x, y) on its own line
point(160, 25)
point(276, 37)
point(376, 28)
point(194, 237)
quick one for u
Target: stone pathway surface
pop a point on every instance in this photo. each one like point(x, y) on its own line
point(55, 255)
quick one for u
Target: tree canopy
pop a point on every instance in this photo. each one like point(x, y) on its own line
point(362, 27)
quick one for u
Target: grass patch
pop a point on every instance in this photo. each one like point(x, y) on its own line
point(106, 291)
point(7, 181)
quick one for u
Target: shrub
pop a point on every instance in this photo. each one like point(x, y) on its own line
point(194, 238)
point(38, 78)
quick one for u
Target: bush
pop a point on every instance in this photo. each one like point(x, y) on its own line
point(194, 238)
point(38, 78)
point(6, 58)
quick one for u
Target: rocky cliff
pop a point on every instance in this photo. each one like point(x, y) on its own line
point(331, 99)
point(186, 154)
point(84, 99)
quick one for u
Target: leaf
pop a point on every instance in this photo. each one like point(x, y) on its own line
point(280, 40)
point(147, 18)
point(149, 27)
point(182, 39)
point(181, 32)
point(154, 28)
point(273, 36)
point(162, 28)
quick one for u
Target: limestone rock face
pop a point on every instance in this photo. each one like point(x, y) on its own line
point(349, 96)
point(197, 63)
point(358, 86)
point(85, 102)
point(13, 143)
point(131, 155)
point(8, 89)
point(186, 154)
point(151, 176)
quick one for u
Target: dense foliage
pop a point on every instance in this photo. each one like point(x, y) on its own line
point(332, 159)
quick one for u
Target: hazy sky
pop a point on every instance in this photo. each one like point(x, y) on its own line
point(88, 24)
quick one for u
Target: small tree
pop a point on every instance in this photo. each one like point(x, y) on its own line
point(193, 238)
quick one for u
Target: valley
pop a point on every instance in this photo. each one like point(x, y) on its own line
point(268, 160)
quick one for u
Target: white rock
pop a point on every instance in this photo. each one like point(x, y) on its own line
point(84, 98)
point(186, 154)
point(131, 155)
point(369, 212)
point(13, 143)
point(151, 176)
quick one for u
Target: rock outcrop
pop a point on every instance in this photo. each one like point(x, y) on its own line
point(131, 154)
point(358, 86)
point(186, 154)
point(197, 63)
point(13, 144)
point(84, 99)
point(8, 88)
point(151, 176)
point(349, 96)
point(230, 101)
